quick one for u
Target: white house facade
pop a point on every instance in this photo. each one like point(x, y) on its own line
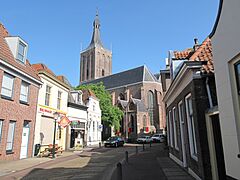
point(53, 97)
point(226, 54)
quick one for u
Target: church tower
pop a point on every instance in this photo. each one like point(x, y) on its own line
point(96, 61)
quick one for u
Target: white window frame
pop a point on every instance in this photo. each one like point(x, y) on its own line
point(174, 119)
point(59, 100)
point(48, 95)
point(23, 60)
point(170, 128)
point(1, 128)
point(191, 128)
point(22, 94)
point(10, 89)
point(10, 136)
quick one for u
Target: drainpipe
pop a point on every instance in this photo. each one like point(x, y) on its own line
point(209, 93)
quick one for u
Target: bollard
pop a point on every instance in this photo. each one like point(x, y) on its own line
point(126, 156)
point(136, 150)
point(150, 144)
point(119, 171)
point(100, 144)
point(143, 146)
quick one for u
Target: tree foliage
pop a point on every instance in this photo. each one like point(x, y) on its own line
point(111, 115)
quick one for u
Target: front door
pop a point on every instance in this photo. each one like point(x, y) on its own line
point(24, 144)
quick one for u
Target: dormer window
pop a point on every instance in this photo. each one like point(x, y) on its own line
point(18, 47)
point(21, 52)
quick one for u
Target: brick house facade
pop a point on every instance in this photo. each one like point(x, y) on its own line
point(19, 85)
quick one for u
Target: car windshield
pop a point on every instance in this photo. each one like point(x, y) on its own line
point(112, 138)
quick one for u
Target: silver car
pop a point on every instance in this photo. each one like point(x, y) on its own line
point(158, 138)
point(144, 139)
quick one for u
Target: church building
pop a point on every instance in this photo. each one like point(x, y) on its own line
point(136, 91)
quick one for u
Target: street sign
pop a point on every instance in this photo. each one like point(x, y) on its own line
point(64, 121)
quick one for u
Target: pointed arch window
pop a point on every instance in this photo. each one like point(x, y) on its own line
point(150, 107)
point(103, 73)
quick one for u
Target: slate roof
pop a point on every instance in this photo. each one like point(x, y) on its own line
point(7, 56)
point(140, 105)
point(202, 53)
point(136, 75)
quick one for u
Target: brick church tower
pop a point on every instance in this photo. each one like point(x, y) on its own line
point(96, 61)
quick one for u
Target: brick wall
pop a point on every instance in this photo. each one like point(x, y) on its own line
point(13, 110)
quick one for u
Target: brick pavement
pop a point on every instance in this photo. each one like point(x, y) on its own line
point(151, 164)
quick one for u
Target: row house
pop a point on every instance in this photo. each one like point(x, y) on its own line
point(53, 97)
point(190, 98)
point(19, 85)
point(94, 125)
point(84, 114)
point(226, 53)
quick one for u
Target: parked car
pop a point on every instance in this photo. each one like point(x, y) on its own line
point(144, 139)
point(158, 138)
point(114, 141)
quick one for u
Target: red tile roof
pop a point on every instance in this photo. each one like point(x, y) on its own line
point(86, 94)
point(7, 56)
point(42, 67)
point(203, 53)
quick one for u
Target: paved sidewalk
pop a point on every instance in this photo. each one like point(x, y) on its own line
point(151, 164)
point(13, 166)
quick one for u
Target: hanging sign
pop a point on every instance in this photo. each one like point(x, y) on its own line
point(64, 121)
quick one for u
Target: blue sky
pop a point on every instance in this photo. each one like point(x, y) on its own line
point(139, 32)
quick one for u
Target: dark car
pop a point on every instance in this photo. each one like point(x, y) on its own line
point(114, 142)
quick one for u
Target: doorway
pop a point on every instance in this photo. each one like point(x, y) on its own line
point(25, 138)
point(215, 147)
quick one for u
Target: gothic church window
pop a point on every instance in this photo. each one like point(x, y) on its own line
point(150, 106)
point(102, 72)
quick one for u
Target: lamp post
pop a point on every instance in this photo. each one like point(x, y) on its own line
point(55, 115)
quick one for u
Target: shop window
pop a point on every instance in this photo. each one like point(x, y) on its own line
point(10, 137)
point(191, 127)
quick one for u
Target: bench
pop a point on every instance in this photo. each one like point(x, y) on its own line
point(47, 150)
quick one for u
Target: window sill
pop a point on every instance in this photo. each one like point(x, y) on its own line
point(9, 152)
point(23, 102)
point(6, 97)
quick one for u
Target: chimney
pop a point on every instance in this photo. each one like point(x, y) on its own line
point(3, 30)
point(196, 45)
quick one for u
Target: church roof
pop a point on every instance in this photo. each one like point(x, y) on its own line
point(132, 76)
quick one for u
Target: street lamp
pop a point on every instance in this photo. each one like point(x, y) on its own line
point(55, 116)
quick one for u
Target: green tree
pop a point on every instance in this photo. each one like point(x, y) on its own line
point(111, 115)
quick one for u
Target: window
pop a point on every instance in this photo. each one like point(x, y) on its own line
point(47, 96)
point(174, 116)
point(150, 106)
point(191, 127)
point(1, 127)
point(24, 92)
point(170, 128)
point(144, 121)
point(7, 85)
point(21, 52)
point(94, 108)
point(103, 73)
point(10, 137)
point(237, 72)
point(93, 125)
point(59, 100)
